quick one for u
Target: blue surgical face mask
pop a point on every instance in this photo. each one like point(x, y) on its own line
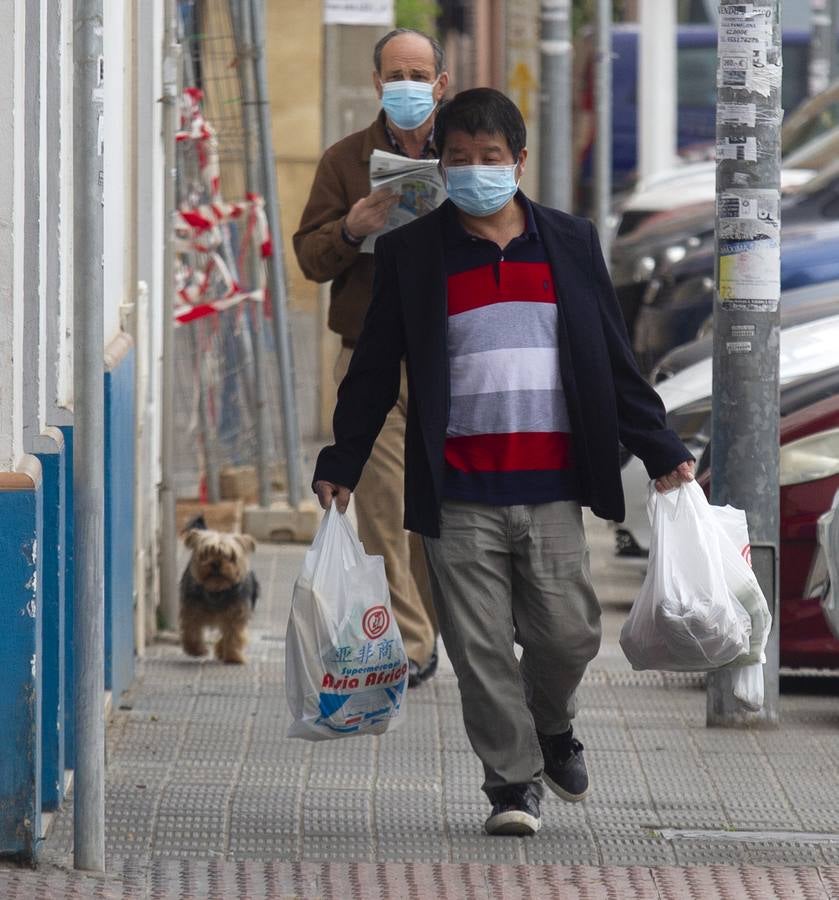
point(481, 190)
point(408, 103)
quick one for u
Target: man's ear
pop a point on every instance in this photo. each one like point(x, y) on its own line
point(377, 84)
point(440, 87)
point(522, 161)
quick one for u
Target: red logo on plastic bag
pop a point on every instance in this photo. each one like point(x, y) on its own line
point(746, 553)
point(375, 622)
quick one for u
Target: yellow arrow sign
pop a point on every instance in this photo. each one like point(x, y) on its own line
point(522, 83)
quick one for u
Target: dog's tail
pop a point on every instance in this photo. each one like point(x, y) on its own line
point(197, 522)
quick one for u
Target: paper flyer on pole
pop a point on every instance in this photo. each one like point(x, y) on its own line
point(750, 233)
point(745, 36)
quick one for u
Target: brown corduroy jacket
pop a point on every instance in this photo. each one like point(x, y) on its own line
point(342, 178)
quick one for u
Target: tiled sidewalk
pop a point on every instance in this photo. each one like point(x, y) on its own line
point(206, 797)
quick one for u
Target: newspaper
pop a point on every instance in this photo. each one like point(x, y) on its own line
point(418, 183)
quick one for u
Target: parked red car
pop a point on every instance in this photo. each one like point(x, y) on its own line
point(809, 480)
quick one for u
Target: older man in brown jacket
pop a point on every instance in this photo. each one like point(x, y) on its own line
point(409, 79)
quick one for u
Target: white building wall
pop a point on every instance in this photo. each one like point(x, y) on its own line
point(48, 175)
point(47, 214)
point(12, 21)
point(159, 236)
point(18, 227)
point(32, 174)
point(150, 214)
point(116, 174)
point(148, 330)
point(60, 316)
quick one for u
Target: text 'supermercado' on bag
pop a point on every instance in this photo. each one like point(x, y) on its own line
point(346, 668)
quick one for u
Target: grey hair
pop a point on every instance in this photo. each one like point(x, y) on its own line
point(436, 46)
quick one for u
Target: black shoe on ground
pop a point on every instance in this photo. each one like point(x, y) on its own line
point(515, 810)
point(565, 770)
point(417, 674)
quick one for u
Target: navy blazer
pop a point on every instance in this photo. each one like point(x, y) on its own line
point(609, 401)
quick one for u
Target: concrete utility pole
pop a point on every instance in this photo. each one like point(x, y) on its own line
point(556, 139)
point(603, 134)
point(745, 415)
point(822, 42)
point(657, 87)
point(168, 526)
point(88, 439)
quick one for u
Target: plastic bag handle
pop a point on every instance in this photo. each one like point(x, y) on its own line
point(349, 531)
point(652, 500)
point(352, 550)
point(655, 499)
point(335, 536)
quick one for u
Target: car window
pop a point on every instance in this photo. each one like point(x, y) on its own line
point(697, 67)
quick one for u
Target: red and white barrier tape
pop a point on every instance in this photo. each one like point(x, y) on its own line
point(198, 230)
point(193, 288)
point(190, 312)
point(194, 127)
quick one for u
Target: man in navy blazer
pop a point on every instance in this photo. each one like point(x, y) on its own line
point(522, 385)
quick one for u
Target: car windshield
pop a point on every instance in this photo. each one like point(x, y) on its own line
point(816, 153)
point(814, 117)
point(827, 119)
point(825, 177)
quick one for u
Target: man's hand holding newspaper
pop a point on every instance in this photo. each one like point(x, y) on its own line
point(370, 213)
point(405, 188)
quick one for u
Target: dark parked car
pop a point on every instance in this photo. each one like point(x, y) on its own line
point(664, 239)
point(670, 238)
point(816, 301)
point(678, 302)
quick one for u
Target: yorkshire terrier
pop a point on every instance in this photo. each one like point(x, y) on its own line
point(218, 589)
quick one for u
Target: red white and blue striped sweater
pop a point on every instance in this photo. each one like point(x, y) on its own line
point(508, 439)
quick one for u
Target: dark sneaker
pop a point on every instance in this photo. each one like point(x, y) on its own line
point(565, 768)
point(417, 674)
point(515, 810)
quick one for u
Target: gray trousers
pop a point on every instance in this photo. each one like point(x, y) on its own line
point(501, 574)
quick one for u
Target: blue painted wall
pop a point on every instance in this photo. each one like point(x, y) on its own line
point(119, 525)
point(53, 611)
point(69, 599)
point(21, 550)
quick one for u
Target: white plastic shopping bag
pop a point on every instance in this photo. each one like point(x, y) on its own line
point(735, 546)
point(346, 668)
point(686, 618)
